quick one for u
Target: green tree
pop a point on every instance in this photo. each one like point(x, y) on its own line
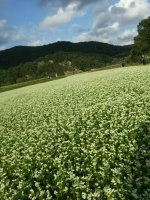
point(142, 40)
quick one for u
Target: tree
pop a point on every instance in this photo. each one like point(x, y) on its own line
point(142, 40)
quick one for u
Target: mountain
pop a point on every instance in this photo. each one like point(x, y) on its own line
point(23, 63)
point(22, 54)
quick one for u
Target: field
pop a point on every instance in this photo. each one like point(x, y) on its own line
point(86, 136)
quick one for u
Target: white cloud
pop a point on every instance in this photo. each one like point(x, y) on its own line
point(36, 43)
point(129, 33)
point(13, 35)
point(2, 22)
point(132, 10)
point(63, 16)
point(102, 17)
point(63, 3)
point(5, 32)
point(10, 34)
point(117, 23)
point(114, 23)
point(127, 36)
point(104, 34)
point(108, 35)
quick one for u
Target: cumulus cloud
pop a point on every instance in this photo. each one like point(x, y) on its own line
point(56, 3)
point(127, 36)
point(102, 17)
point(108, 34)
point(63, 15)
point(130, 11)
point(109, 22)
point(13, 35)
point(9, 34)
point(112, 23)
point(64, 3)
point(67, 10)
point(104, 34)
point(124, 12)
point(2, 22)
point(5, 32)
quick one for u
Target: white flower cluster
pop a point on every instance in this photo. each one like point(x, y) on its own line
point(83, 137)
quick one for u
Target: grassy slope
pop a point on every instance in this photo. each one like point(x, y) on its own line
point(82, 137)
point(27, 83)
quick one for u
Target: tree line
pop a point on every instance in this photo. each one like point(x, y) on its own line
point(141, 47)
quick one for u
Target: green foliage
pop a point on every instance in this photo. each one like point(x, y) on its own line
point(83, 137)
point(142, 40)
point(21, 64)
point(19, 55)
point(30, 71)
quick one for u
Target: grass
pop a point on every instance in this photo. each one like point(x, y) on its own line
point(27, 83)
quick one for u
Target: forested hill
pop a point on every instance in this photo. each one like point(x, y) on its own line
point(23, 54)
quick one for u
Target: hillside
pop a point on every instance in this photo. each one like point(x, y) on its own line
point(86, 136)
point(22, 54)
point(21, 64)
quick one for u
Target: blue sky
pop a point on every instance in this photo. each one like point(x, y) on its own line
point(39, 22)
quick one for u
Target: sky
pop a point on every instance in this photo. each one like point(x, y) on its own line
point(40, 22)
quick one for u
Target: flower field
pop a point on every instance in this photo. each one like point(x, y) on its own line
point(86, 136)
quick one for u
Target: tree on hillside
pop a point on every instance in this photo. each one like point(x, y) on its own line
point(142, 40)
